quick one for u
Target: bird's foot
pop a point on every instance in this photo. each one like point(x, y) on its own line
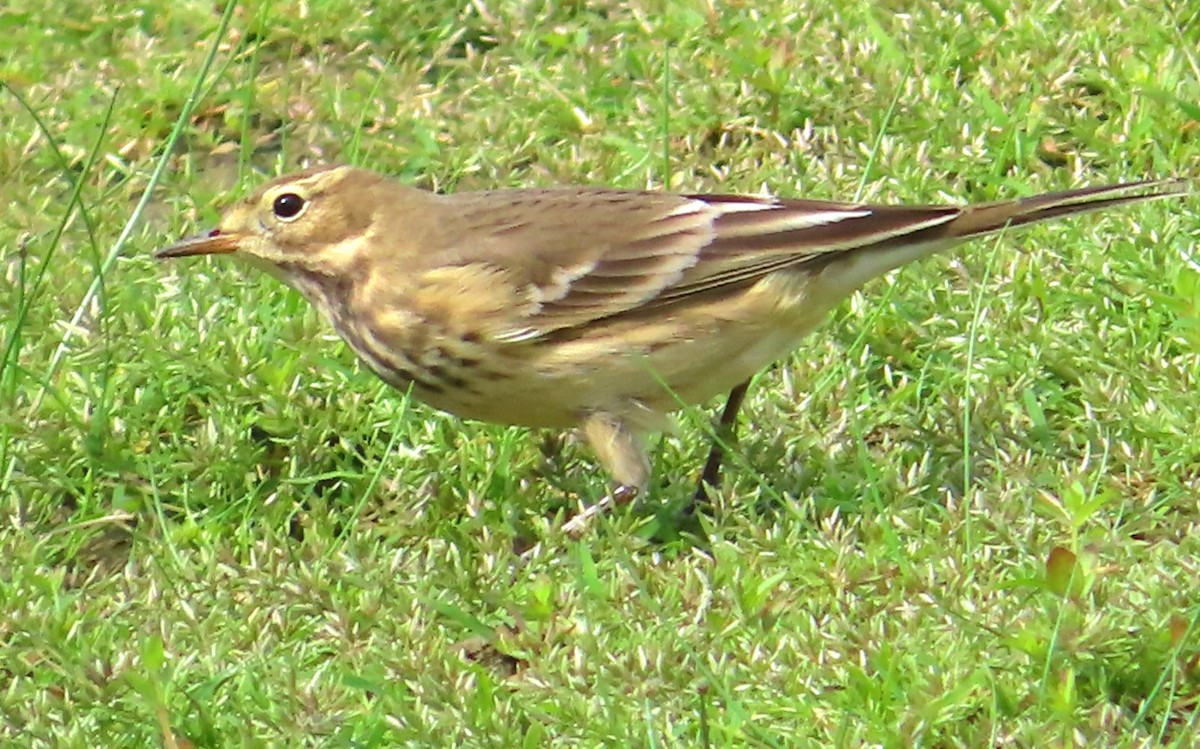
point(577, 525)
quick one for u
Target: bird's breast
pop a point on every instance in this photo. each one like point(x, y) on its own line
point(638, 367)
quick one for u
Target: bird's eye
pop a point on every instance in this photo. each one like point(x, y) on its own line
point(288, 206)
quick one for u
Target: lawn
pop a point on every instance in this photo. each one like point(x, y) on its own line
point(964, 513)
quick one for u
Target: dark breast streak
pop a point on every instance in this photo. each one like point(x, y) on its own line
point(437, 365)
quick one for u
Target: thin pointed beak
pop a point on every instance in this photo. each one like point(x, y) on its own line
point(213, 243)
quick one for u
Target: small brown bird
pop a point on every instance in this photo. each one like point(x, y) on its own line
point(587, 307)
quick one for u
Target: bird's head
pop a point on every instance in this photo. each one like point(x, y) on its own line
point(316, 221)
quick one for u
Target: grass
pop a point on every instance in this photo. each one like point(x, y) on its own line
point(966, 513)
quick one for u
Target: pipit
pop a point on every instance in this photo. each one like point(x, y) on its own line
point(583, 307)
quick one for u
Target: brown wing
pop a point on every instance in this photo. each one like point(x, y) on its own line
point(585, 254)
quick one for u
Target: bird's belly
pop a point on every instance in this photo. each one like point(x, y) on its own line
point(502, 391)
point(682, 372)
point(642, 371)
point(639, 370)
point(556, 386)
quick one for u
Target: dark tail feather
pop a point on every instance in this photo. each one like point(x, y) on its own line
point(990, 217)
point(860, 264)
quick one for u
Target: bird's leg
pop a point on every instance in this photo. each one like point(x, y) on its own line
point(726, 434)
point(622, 452)
point(578, 524)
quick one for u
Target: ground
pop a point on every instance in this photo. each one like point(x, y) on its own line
point(964, 513)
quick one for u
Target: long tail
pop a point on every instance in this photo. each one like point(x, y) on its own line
point(990, 217)
point(905, 234)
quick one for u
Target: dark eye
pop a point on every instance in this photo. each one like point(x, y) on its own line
point(288, 205)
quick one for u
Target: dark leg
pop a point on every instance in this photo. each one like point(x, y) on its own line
point(726, 434)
